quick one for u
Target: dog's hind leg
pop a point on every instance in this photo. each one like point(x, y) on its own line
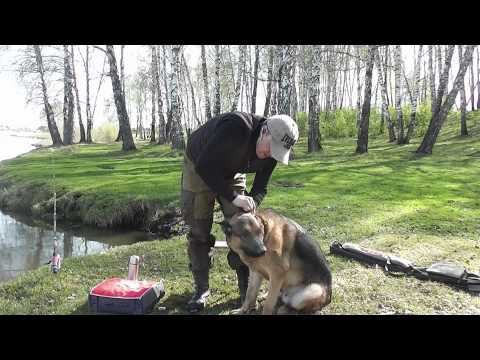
point(254, 283)
point(308, 298)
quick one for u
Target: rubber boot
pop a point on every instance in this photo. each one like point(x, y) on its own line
point(199, 299)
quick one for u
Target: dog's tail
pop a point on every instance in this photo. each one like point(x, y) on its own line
point(308, 298)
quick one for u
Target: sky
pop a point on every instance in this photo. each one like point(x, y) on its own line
point(16, 113)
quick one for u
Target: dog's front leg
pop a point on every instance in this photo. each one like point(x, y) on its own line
point(254, 283)
point(273, 294)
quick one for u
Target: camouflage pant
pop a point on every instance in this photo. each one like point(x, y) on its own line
point(198, 203)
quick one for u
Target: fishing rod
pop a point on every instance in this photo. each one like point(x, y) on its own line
point(56, 260)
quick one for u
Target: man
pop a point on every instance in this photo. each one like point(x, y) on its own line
point(218, 155)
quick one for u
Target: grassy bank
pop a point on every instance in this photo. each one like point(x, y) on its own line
point(425, 209)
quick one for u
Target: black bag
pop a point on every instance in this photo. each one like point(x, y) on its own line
point(452, 274)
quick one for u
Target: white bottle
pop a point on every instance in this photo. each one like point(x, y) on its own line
point(133, 265)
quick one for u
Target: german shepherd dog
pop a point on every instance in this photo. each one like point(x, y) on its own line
point(279, 250)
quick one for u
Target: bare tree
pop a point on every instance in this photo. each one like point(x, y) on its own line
point(52, 125)
point(79, 109)
point(124, 123)
point(165, 82)
point(443, 107)
point(362, 142)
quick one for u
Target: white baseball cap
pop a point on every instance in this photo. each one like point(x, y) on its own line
point(284, 132)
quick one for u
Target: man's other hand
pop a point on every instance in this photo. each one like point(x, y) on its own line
point(244, 202)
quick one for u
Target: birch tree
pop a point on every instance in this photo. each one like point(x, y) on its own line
point(153, 90)
point(77, 98)
point(443, 107)
point(194, 104)
point(359, 84)
point(271, 54)
point(385, 112)
point(398, 94)
point(413, 114)
point(177, 137)
point(206, 93)
point(241, 64)
point(431, 74)
point(52, 125)
point(118, 95)
point(313, 78)
point(255, 79)
point(362, 141)
point(217, 104)
point(68, 101)
point(463, 100)
point(161, 119)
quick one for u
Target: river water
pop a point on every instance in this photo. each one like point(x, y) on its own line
point(26, 244)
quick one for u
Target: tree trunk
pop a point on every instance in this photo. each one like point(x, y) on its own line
point(432, 78)
point(79, 109)
point(88, 112)
point(385, 112)
point(52, 125)
point(472, 86)
point(398, 94)
point(122, 84)
point(463, 100)
point(161, 120)
point(178, 141)
point(286, 64)
point(68, 101)
point(313, 78)
point(413, 114)
point(217, 104)
point(441, 111)
point(478, 80)
point(165, 82)
point(362, 142)
point(255, 79)
point(124, 123)
point(241, 60)
point(153, 90)
point(206, 93)
point(271, 54)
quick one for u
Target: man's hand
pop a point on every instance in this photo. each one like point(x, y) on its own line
point(244, 202)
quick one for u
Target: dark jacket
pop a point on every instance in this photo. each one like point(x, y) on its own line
point(226, 145)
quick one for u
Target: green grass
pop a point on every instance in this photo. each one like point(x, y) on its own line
point(425, 209)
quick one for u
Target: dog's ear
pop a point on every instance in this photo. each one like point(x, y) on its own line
point(226, 227)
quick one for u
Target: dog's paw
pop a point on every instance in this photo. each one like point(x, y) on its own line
point(243, 311)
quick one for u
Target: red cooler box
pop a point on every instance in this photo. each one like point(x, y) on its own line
point(121, 296)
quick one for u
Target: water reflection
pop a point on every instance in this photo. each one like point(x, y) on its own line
point(24, 246)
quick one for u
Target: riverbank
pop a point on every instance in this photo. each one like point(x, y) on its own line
point(425, 209)
point(97, 185)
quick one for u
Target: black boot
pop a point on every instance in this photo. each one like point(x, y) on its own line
point(199, 299)
point(242, 279)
